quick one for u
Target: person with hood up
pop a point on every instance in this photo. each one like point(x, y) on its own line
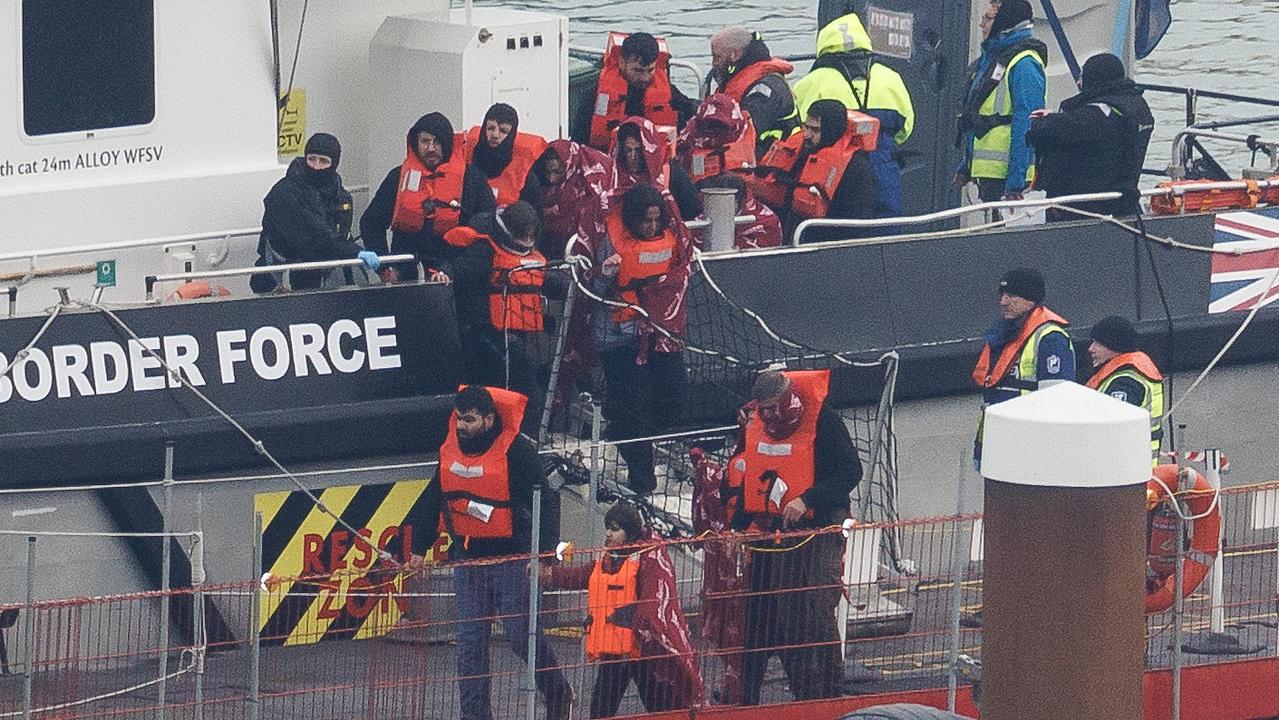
point(793, 469)
point(572, 178)
point(635, 81)
point(1096, 143)
point(744, 69)
point(720, 138)
point(635, 629)
point(641, 154)
point(764, 232)
point(641, 263)
point(307, 217)
point(1006, 84)
point(504, 154)
point(823, 172)
point(430, 193)
point(1027, 349)
point(497, 285)
point(847, 70)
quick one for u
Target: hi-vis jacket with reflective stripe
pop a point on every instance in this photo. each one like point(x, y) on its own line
point(477, 488)
point(1138, 367)
point(988, 110)
point(1017, 365)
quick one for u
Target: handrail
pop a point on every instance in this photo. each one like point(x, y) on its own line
point(151, 280)
point(1213, 94)
point(1176, 166)
point(129, 244)
point(946, 214)
point(688, 65)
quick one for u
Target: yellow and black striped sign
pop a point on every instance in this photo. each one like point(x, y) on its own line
point(321, 583)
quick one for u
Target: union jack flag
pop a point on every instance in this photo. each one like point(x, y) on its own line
point(1241, 282)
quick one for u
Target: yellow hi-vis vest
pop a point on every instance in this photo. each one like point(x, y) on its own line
point(990, 151)
point(1141, 368)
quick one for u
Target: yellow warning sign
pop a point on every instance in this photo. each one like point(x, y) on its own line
point(318, 581)
point(292, 123)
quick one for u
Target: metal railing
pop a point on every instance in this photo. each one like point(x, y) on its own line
point(1177, 163)
point(151, 280)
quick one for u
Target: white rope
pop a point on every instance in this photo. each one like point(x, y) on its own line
point(1274, 278)
point(114, 693)
point(1166, 241)
point(258, 445)
point(1176, 505)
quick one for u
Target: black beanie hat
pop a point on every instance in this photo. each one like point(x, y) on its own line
point(326, 145)
point(439, 126)
point(1115, 333)
point(1102, 68)
point(625, 516)
point(1011, 14)
point(1024, 283)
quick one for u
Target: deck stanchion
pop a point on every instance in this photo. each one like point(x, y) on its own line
point(255, 611)
point(958, 560)
point(29, 637)
point(1212, 472)
point(165, 557)
point(534, 583)
point(560, 339)
point(596, 525)
point(197, 587)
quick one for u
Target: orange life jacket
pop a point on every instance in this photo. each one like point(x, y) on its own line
point(477, 488)
point(515, 289)
point(642, 261)
point(987, 377)
point(810, 193)
point(610, 94)
point(607, 593)
point(507, 186)
point(441, 189)
point(774, 472)
point(736, 156)
point(1139, 361)
point(746, 78)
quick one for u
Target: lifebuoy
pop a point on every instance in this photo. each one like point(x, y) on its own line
point(1161, 548)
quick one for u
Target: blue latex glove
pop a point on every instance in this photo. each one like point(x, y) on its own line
point(370, 258)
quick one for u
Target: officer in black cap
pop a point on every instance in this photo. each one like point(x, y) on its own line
point(1125, 373)
point(1027, 349)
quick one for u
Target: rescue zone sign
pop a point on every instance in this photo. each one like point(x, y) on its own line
point(319, 582)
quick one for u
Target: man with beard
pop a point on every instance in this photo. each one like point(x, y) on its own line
point(497, 284)
point(432, 192)
point(746, 71)
point(505, 155)
point(482, 494)
point(846, 70)
point(793, 469)
point(307, 217)
point(635, 81)
point(1097, 143)
point(825, 172)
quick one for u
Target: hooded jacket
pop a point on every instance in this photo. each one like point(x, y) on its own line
point(306, 216)
point(846, 70)
point(430, 248)
point(1096, 143)
point(1027, 86)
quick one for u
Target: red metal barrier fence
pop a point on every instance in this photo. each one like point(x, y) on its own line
point(701, 611)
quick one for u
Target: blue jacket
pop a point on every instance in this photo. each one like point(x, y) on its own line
point(1028, 87)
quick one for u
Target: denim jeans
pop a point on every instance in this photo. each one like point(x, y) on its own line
point(485, 592)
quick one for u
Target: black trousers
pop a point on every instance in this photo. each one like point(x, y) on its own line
point(791, 613)
point(641, 401)
point(615, 676)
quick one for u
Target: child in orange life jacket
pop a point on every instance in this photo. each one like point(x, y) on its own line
point(635, 629)
point(498, 279)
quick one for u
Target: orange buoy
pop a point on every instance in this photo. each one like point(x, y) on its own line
point(1200, 503)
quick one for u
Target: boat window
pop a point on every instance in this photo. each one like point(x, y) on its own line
point(87, 65)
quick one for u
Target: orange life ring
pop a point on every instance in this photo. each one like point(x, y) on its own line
point(1161, 547)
